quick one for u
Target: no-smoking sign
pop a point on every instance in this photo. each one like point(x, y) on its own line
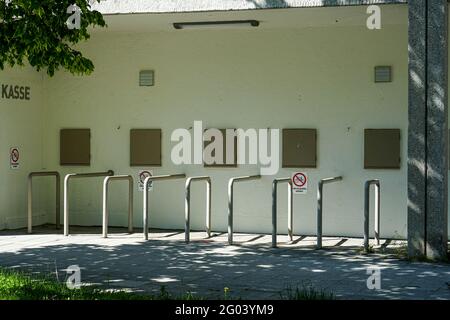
point(14, 158)
point(142, 174)
point(299, 183)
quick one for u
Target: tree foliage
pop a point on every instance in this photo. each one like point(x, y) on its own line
point(35, 31)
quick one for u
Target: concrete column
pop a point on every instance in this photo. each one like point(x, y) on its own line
point(437, 130)
point(416, 127)
point(428, 129)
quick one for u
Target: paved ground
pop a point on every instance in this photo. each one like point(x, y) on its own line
point(251, 269)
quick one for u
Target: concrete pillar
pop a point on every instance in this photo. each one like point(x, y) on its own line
point(428, 129)
point(437, 130)
point(416, 127)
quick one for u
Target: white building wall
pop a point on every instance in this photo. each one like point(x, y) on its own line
point(21, 125)
point(308, 77)
point(285, 78)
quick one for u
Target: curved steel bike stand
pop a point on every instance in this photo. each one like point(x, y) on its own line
point(67, 178)
point(57, 193)
point(145, 205)
point(274, 209)
point(106, 182)
point(187, 206)
point(231, 200)
point(320, 205)
point(376, 184)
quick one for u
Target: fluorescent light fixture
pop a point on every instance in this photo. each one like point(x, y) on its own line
point(216, 24)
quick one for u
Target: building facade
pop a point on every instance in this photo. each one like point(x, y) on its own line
point(308, 65)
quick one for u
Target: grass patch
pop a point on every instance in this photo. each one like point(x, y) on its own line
point(306, 292)
point(399, 250)
point(16, 285)
point(370, 250)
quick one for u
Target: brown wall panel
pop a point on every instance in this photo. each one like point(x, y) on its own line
point(145, 147)
point(382, 149)
point(224, 165)
point(75, 147)
point(299, 148)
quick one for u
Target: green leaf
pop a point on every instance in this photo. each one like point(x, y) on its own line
point(36, 31)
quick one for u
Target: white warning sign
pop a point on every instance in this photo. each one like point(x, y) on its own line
point(142, 174)
point(300, 183)
point(14, 158)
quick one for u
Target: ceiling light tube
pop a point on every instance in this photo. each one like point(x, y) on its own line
point(215, 24)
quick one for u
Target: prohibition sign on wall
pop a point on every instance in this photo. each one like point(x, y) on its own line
point(14, 157)
point(299, 182)
point(141, 178)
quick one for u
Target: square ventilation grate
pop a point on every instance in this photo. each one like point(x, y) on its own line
point(146, 78)
point(383, 74)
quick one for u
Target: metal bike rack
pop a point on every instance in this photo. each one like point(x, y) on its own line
point(319, 206)
point(274, 209)
point(145, 206)
point(367, 185)
point(66, 192)
point(230, 202)
point(30, 196)
point(187, 206)
point(106, 182)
